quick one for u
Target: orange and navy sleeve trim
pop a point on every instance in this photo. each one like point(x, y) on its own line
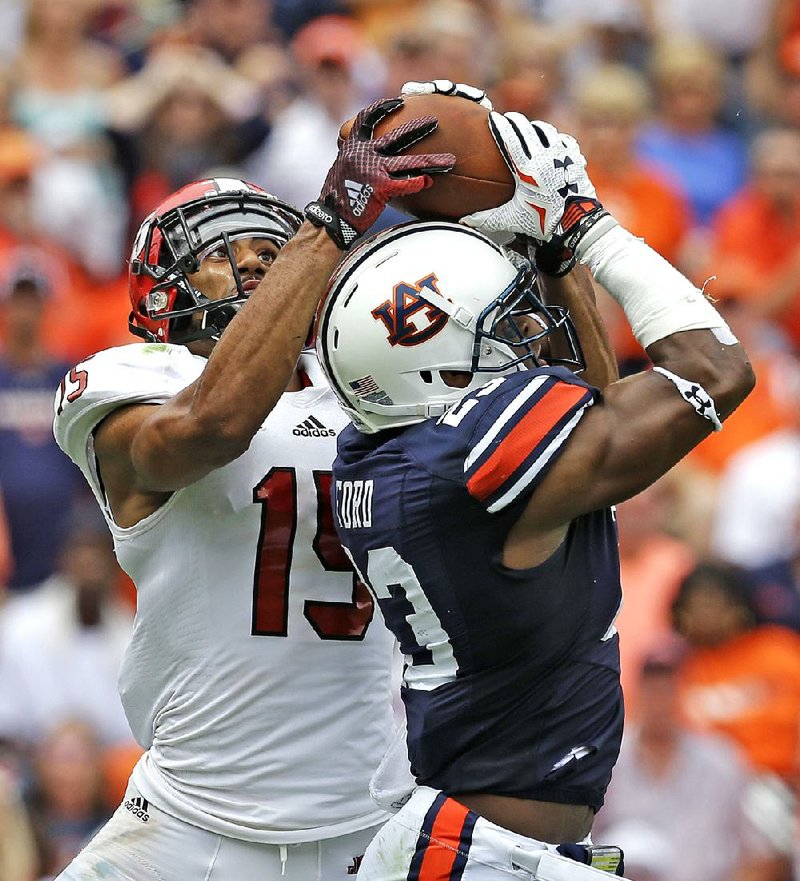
point(444, 842)
point(512, 453)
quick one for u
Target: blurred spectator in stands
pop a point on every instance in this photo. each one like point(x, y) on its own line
point(681, 795)
point(131, 27)
point(783, 101)
point(65, 803)
point(756, 244)
point(612, 103)
point(75, 320)
point(270, 67)
point(229, 27)
point(302, 143)
point(732, 27)
point(773, 73)
point(433, 39)
point(759, 492)
point(183, 113)
point(244, 35)
point(595, 33)
point(19, 158)
point(38, 483)
point(17, 846)
point(742, 680)
point(62, 647)
point(58, 78)
point(777, 582)
point(686, 137)
point(290, 15)
point(531, 79)
point(739, 678)
point(652, 565)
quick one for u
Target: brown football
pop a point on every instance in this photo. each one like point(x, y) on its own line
point(480, 178)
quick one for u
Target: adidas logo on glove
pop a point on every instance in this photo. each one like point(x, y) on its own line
point(359, 196)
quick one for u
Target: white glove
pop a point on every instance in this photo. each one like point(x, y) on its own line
point(548, 168)
point(448, 87)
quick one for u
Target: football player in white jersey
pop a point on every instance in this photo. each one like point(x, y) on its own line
point(255, 679)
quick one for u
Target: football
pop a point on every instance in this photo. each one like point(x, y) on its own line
point(480, 178)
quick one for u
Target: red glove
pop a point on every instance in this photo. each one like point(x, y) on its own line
point(370, 171)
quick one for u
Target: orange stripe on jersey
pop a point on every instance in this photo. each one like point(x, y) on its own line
point(442, 850)
point(523, 438)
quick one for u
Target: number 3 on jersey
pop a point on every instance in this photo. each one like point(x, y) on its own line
point(277, 494)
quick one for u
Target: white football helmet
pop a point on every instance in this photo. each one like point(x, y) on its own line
point(421, 298)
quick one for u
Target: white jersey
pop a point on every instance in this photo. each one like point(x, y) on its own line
point(256, 677)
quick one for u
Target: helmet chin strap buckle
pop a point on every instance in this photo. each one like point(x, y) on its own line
point(435, 410)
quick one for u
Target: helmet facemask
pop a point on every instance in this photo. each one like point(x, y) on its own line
point(182, 237)
point(533, 333)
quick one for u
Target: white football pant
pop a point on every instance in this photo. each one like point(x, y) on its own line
point(435, 838)
point(164, 848)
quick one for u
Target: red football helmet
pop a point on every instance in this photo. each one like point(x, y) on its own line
point(172, 242)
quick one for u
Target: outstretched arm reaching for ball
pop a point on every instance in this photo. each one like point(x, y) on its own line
point(148, 451)
point(643, 424)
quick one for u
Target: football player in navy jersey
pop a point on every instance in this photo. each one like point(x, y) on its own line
point(475, 492)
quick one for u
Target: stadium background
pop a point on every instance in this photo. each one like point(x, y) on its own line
point(689, 115)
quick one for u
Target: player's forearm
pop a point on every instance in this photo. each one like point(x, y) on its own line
point(575, 291)
point(253, 362)
point(670, 318)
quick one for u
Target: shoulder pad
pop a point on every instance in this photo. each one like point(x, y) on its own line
point(513, 430)
point(139, 373)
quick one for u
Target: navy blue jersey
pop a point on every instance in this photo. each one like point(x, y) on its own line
point(511, 683)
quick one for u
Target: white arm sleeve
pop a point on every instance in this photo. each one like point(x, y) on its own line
point(657, 299)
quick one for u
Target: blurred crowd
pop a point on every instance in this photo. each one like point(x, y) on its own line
point(689, 116)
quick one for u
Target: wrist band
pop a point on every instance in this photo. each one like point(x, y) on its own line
point(695, 395)
point(340, 231)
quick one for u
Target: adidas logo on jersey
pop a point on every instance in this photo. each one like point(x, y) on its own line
point(138, 807)
point(359, 196)
point(312, 427)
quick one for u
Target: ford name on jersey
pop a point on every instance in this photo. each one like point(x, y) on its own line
point(354, 503)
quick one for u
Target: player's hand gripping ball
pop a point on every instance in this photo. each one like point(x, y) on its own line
point(480, 178)
point(548, 170)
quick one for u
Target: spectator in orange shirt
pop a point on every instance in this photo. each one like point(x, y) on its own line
point(755, 268)
point(740, 679)
point(78, 317)
point(611, 104)
point(756, 244)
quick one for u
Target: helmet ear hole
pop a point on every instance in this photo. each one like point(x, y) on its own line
point(426, 376)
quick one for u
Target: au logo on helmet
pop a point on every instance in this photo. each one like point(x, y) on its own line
point(408, 301)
